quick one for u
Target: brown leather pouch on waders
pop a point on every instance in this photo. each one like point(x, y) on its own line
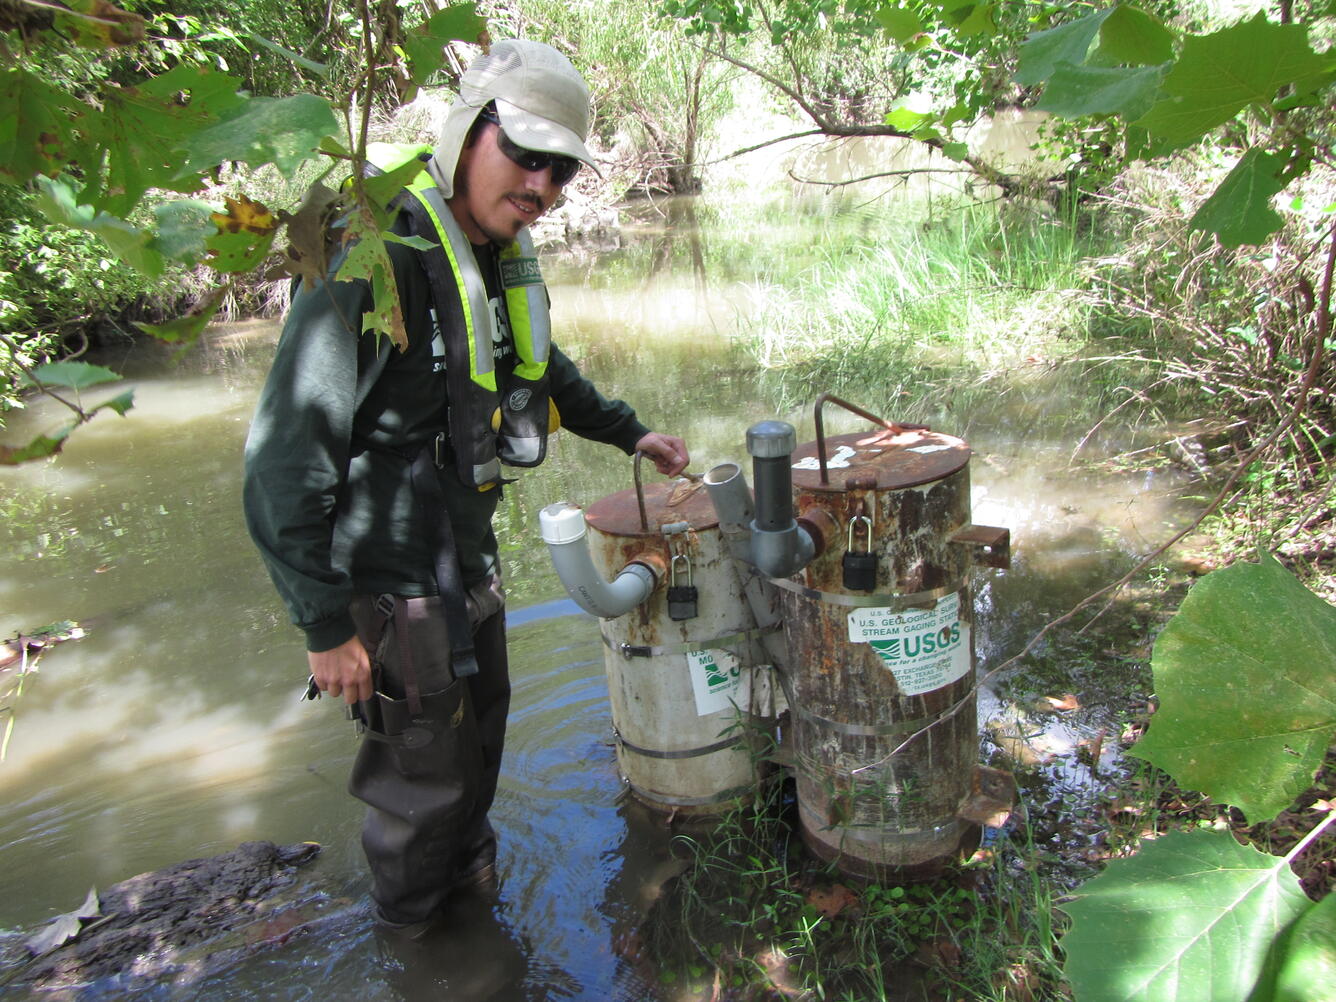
point(419, 764)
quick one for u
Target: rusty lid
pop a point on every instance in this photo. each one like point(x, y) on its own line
point(667, 502)
point(879, 459)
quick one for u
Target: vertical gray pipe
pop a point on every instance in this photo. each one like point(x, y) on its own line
point(779, 547)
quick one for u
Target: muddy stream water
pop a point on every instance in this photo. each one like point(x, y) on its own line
point(175, 730)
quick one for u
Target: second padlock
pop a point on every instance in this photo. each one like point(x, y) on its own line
point(860, 567)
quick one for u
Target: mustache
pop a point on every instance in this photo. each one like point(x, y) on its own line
point(527, 198)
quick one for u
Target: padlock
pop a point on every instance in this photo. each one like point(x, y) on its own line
point(681, 598)
point(860, 569)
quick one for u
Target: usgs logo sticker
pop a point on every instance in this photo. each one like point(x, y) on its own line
point(924, 649)
point(716, 681)
point(519, 399)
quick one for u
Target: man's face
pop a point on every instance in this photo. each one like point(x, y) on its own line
point(494, 196)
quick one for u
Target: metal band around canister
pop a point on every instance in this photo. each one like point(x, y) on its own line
point(901, 601)
point(635, 651)
point(878, 730)
point(683, 753)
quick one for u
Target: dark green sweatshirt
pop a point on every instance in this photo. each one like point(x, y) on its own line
point(328, 498)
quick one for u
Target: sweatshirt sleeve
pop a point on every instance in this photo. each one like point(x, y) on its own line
point(587, 412)
point(297, 455)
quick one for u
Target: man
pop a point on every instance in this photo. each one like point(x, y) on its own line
point(372, 474)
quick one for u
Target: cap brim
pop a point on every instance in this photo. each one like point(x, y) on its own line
point(536, 133)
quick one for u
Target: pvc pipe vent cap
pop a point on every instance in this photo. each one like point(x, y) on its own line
point(562, 522)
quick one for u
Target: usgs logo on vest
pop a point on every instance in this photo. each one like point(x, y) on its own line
point(519, 399)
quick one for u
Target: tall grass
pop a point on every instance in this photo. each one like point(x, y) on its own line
point(975, 290)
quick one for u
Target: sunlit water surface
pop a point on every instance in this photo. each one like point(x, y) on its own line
point(174, 729)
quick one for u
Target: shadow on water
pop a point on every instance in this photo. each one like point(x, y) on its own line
point(174, 729)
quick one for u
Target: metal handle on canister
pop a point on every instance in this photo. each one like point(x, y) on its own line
point(892, 426)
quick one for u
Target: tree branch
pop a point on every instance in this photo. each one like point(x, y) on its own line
point(41, 387)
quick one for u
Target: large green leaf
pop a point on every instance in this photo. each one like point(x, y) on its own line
point(57, 201)
point(425, 44)
point(1307, 967)
point(901, 23)
point(1190, 916)
point(35, 127)
point(142, 127)
point(1220, 74)
point(1246, 677)
point(369, 260)
point(1132, 37)
point(1239, 211)
point(1041, 53)
point(282, 131)
point(70, 375)
point(1074, 91)
point(39, 448)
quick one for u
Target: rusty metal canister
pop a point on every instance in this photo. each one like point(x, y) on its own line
point(689, 695)
point(879, 654)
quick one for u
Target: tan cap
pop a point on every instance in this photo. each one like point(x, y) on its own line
point(541, 99)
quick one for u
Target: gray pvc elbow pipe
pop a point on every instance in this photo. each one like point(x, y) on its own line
point(566, 535)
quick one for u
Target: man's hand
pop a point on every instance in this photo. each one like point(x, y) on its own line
point(668, 452)
point(344, 670)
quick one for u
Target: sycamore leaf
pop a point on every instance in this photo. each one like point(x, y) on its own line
point(1074, 91)
point(1220, 74)
point(237, 252)
point(57, 201)
point(308, 252)
point(425, 44)
point(1132, 37)
point(1246, 677)
point(70, 375)
point(39, 448)
point(186, 330)
point(980, 21)
point(910, 113)
point(1239, 211)
point(1307, 967)
point(1190, 915)
point(120, 403)
point(282, 131)
point(415, 242)
point(64, 928)
point(382, 188)
point(96, 24)
point(183, 227)
point(244, 214)
point(901, 23)
point(369, 260)
point(35, 127)
point(143, 126)
point(1041, 53)
point(295, 57)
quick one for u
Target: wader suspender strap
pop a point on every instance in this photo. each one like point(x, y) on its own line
point(449, 581)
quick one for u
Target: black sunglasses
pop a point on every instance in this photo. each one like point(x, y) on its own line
point(563, 167)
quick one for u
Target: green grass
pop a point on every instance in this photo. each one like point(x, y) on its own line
point(970, 292)
point(755, 916)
